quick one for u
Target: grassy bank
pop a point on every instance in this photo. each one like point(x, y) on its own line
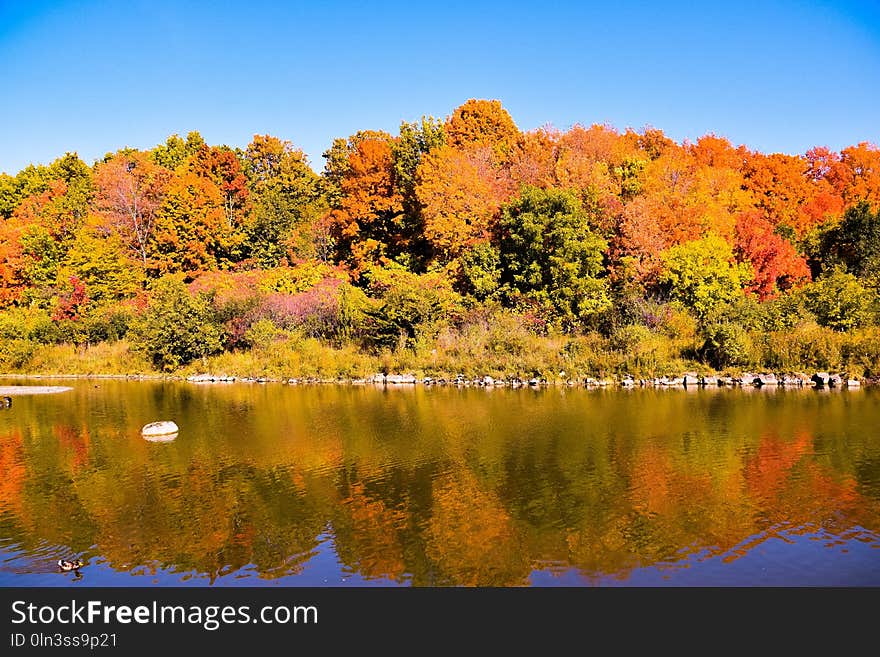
point(478, 350)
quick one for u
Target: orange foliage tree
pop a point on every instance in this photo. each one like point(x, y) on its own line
point(130, 188)
point(859, 174)
point(368, 222)
point(222, 168)
point(482, 123)
point(775, 261)
point(191, 229)
point(460, 194)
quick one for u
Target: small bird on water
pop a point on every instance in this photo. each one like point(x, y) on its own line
point(65, 565)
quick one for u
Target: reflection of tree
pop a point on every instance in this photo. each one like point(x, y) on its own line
point(471, 537)
point(12, 473)
point(367, 535)
point(445, 486)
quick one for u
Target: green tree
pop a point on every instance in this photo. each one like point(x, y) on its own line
point(481, 270)
point(177, 327)
point(286, 199)
point(32, 180)
point(854, 242)
point(702, 274)
point(175, 151)
point(550, 255)
point(839, 300)
point(77, 176)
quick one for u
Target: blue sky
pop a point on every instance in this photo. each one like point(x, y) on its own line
point(93, 76)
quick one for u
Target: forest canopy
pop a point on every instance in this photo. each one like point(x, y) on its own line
point(464, 238)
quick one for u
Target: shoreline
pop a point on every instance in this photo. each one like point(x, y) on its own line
point(686, 381)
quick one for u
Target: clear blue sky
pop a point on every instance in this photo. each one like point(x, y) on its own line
point(93, 76)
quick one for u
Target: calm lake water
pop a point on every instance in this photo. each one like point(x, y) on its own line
point(278, 485)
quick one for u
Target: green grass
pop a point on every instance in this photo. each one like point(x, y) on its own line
point(498, 350)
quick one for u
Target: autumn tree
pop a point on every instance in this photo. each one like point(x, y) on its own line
point(337, 165)
point(780, 188)
point(129, 190)
point(703, 275)
point(34, 240)
point(44, 225)
point(776, 264)
point(858, 174)
point(460, 195)
point(103, 264)
point(550, 255)
point(653, 142)
point(222, 167)
point(368, 220)
point(482, 123)
point(191, 232)
point(533, 160)
point(586, 158)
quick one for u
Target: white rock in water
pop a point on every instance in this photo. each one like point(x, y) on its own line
point(159, 429)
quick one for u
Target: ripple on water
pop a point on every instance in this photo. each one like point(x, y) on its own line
point(329, 485)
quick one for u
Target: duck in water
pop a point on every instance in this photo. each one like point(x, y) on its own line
point(67, 566)
point(6, 402)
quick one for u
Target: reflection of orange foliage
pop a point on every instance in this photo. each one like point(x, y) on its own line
point(12, 472)
point(76, 439)
point(658, 488)
point(471, 536)
point(767, 471)
point(796, 495)
point(375, 530)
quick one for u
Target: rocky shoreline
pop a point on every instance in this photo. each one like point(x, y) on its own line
point(819, 380)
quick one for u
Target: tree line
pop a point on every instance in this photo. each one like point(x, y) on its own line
point(593, 239)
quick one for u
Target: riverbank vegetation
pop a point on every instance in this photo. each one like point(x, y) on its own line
point(457, 245)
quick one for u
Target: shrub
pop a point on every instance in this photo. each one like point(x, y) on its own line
point(408, 305)
point(838, 300)
point(262, 334)
point(176, 327)
point(28, 323)
point(806, 346)
point(17, 352)
point(642, 351)
point(727, 344)
point(860, 352)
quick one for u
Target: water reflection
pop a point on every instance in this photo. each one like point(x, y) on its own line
point(359, 485)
